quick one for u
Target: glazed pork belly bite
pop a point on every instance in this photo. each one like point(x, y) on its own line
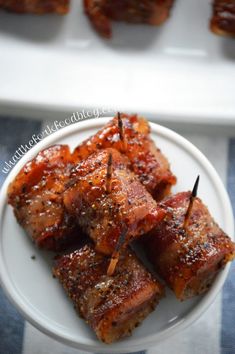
point(112, 306)
point(223, 19)
point(36, 195)
point(188, 257)
point(102, 12)
point(39, 7)
point(107, 208)
point(133, 140)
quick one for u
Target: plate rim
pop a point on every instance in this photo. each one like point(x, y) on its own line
point(136, 344)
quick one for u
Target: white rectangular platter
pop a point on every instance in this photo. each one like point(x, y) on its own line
point(179, 72)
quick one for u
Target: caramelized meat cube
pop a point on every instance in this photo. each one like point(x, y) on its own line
point(223, 20)
point(36, 195)
point(146, 160)
point(106, 215)
point(189, 258)
point(102, 12)
point(112, 306)
point(36, 6)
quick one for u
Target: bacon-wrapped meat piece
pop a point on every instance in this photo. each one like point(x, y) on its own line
point(223, 20)
point(133, 140)
point(188, 257)
point(112, 306)
point(39, 7)
point(102, 12)
point(36, 195)
point(125, 209)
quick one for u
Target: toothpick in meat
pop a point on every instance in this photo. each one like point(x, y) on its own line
point(116, 253)
point(193, 196)
point(109, 173)
point(121, 132)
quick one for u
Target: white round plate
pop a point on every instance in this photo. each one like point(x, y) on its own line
point(40, 298)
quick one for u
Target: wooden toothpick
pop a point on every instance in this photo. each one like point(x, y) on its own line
point(116, 253)
point(192, 198)
point(121, 132)
point(109, 173)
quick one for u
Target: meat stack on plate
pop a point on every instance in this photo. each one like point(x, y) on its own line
point(112, 193)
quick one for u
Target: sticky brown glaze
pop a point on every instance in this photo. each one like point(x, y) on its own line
point(223, 20)
point(36, 6)
point(146, 160)
point(188, 259)
point(112, 306)
point(128, 208)
point(102, 12)
point(36, 196)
